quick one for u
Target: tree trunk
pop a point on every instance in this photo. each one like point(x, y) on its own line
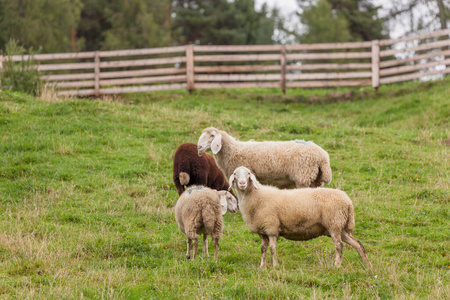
point(73, 39)
point(21, 14)
point(442, 17)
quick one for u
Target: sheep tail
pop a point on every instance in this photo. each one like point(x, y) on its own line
point(325, 172)
point(184, 178)
point(351, 220)
point(184, 170)
point(212, 220)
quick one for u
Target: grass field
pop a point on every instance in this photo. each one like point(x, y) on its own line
point(87, 198)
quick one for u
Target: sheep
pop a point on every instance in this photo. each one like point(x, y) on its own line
point(190, 169)
point(298, 214)
point(199, 210)
point(287, 164)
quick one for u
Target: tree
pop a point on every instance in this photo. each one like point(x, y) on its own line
point(363, 19)
point(419, 15)
point(46, 24)
point(443, 13)
point(122, 24)
point(93, 24)
point(323, 25)
point(137, 24)
point(222, 22)
point(361, 16)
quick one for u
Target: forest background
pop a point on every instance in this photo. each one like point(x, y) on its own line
point(49, 26)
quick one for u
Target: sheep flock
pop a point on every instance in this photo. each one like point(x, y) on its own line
point(278, 187)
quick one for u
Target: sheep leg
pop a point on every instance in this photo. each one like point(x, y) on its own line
point(189, 244)
point(264, 243)
point(216, 247)
point(192, 237)
point(195, 244)
point(273, 249)
point(349, 239)
point(337, 240)
point(205, 245)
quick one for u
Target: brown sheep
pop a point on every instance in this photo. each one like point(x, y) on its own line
point(190, 169)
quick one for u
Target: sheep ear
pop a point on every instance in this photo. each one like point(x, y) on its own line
point(231, 181)
point(223, 204)
point(254, 181)
point(216, 144)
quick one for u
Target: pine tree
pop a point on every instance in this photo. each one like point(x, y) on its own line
point(93, 24)
point(361, 16)
point(137, 24)
point(324, 25)
point(222, 22)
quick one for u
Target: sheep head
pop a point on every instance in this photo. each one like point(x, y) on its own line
point(227, 202)
point(210, 139)
point(241, 179)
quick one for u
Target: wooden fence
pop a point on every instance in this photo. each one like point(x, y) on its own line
point(254, 66)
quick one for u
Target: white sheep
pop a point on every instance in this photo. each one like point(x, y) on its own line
point(199, 210)
point(298, 214)
point(286, 164)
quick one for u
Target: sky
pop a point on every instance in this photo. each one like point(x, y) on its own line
point(286, 6)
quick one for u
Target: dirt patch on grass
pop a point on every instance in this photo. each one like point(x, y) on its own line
point(446, 143)
point(356, 94)
point(331, 97)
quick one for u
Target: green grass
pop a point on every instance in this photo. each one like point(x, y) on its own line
point(87, 198)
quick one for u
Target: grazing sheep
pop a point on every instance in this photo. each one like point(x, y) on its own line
point(199, 210)
point(287, 164)
point(190, 169)
point(298, 214)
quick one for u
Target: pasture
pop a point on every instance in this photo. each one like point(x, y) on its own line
point(87, 197)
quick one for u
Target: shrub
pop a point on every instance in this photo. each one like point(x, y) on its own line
point(19, 76)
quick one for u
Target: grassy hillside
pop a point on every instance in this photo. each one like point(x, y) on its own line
point(86, 195)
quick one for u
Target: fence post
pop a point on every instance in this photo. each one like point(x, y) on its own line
point(97, 74)
point(283, 68)
point(375, 64)
point(190, 68)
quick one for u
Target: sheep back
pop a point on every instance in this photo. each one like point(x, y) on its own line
point(286, 164)
point(198, 210)
point(299, 214)
point(190, 169)
point(282, 163)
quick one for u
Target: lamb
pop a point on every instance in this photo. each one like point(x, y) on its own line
point(199, 210)
point(190, 169)
point(298, 214)
point(286, 164)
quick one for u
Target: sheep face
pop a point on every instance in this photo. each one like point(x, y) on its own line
point(241, 179)
point(210, 139)
point(228, 202)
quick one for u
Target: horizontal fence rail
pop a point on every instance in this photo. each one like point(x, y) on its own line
point(192, 67)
